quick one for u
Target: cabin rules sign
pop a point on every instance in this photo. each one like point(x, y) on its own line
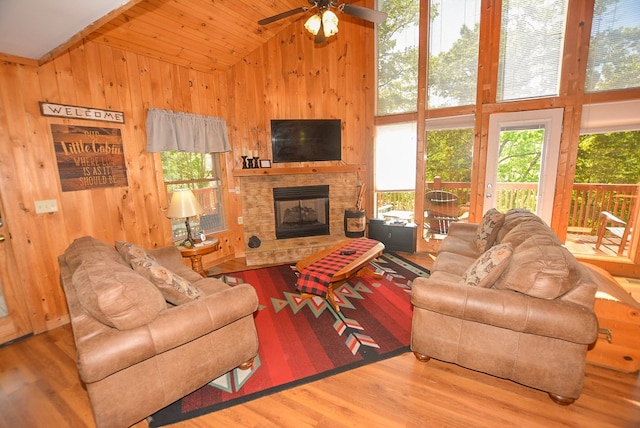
point(89, 157)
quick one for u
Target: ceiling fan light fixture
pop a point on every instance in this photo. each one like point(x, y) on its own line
point(313, 24)
point(329, 23)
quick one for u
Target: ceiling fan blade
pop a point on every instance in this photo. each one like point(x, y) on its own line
point(282, 15)
point(364, 13)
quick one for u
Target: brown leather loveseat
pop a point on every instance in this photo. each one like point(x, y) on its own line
point(148, 330)
point(506, 298)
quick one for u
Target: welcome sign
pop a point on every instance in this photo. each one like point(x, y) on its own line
point(89, 157)
point(77, 112)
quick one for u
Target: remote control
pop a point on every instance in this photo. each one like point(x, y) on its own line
point(347, 252)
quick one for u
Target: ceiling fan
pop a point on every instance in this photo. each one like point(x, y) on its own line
point(324, 22)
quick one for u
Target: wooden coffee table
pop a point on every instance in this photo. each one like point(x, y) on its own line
point(357, 267)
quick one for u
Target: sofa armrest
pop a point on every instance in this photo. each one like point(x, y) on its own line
point(103, 354)
point(461, 240)
point(171, 258)
point(507, 309)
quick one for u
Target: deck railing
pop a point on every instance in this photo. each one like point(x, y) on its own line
point(587, 200)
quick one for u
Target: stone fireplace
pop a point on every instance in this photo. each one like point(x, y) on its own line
point(259, 211)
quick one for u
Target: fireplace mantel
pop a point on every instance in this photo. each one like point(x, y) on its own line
point(298, 170)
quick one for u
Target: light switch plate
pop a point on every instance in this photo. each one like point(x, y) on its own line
point(46, 206)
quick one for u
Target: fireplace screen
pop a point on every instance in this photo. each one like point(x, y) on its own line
point(301, 211)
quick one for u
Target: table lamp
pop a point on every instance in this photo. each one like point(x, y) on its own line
point(184, 205)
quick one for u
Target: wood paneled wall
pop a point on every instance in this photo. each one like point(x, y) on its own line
point(288, 77)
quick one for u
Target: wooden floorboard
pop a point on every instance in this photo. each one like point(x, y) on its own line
point(39, 387)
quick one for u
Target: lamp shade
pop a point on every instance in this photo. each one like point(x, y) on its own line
point(184, 204)
point(329, 23)
point(313, 24)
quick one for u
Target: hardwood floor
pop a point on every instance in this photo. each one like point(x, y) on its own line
point(39, 387)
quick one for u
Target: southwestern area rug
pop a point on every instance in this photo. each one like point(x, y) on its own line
point(302, 340)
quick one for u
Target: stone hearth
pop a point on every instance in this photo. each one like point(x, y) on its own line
point(258, 214)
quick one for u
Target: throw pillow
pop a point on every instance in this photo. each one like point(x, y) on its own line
point(174, 288)
point(488, 229)
point(488, 267)
point(130, 251)
point(115, 295)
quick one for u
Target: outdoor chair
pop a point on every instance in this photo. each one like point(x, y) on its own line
point(441, 209)
point(608, 223)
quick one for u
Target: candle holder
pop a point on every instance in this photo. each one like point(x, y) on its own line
point(256, 164)
point(244, 162)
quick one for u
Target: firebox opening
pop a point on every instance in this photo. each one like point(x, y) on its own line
point(301, 211)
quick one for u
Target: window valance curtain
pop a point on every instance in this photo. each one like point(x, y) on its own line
point(168, 130)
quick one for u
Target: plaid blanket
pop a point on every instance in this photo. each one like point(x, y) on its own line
point(316, 277)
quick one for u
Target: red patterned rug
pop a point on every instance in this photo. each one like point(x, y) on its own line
point(305, 340)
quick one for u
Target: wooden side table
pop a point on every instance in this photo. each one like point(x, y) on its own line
point(196, 253)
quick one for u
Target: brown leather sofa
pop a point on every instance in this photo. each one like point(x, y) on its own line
point(136, 352)
point(506, 298)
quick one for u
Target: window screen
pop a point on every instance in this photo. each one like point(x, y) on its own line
point(453, 52)
point(531, 41)
point(398, 57)
point(614, 50)
point(395, 163)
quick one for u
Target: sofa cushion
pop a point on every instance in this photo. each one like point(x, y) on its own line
point(543, 271)
point(174, 288)
point(130, 251)
point(523, 232)
point(488, 267)
point(115, 295)
point(90, 248)
point(488, 229)
point(513, 218)
point(454, 244)
point(453, 263)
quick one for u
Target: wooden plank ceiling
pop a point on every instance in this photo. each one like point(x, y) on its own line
point(206, 35)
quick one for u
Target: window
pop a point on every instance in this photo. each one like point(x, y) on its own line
point(199, 172)
point(614, 51)
point(531, 42)
point(395, 167)
point(607, 179)
point(453, 52)
point(398, 57)
point(395, 162)
point(449, 149)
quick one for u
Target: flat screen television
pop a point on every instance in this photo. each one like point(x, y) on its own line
point(306, 140)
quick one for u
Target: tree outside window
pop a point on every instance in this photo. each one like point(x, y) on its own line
point(398, 57)
point(614, 50)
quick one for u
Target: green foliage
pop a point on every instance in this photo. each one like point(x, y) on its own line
point(530, 48)
point(519, 156)
point(453, 73)
point(449, 155)
point(611, 158)
point(397, 62)
point(181, 167)
point(614, 53)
